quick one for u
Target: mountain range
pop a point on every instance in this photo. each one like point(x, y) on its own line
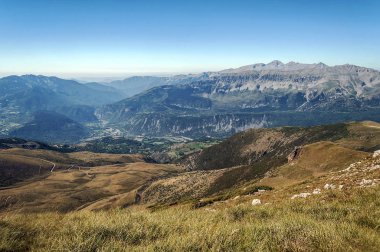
point(260, 95)
point(214, 104)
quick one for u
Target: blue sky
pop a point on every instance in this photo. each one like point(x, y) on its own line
point(111, 37)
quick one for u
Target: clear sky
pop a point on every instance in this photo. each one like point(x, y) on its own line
point(111, 37)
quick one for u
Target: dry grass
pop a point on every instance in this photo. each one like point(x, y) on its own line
point(363, 136)
point(67, 190)
point(83, 158)
point(343, 222)
point(315, 160)
point(15, 168)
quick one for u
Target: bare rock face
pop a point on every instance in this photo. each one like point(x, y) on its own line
point(295, 154)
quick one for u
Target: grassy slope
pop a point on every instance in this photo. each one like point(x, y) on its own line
point(334, 220)
point(343, 222)
point(315, 160)
point(17, 165)
point(14, 168)
point(255, 152)
point(83, 158)
point(68, 190)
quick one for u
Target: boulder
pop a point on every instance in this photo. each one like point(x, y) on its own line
point(376, 154)
point(256, 202)
point(317, 191)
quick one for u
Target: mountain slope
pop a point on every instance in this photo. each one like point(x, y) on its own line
point(21, 96)
point(137, 84)
point(274, 145)
point(256, 153)
point(51, 127)
point(251, 96)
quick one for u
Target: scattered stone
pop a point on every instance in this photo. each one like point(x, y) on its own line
point(234, 231)
point(340, 187)
point(329, 186)
point(301, 195)
point(375, 167)
point(317, 191)
point(366, 182)
point(376, 154)
point(210, 210)
point(256, 202)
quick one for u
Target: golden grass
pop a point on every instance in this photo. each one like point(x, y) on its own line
point(67, 190)
point(363, 135)
point(342, 222)
point(315, 160)
point(83, 158)
point(99, 158)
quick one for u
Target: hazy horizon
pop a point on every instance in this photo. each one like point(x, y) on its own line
point(103, 77)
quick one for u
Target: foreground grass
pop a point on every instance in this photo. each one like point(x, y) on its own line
point(342, 222)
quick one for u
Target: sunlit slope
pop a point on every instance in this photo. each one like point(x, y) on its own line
point(75, 188)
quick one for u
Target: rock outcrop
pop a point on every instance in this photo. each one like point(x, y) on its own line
point(295, 154)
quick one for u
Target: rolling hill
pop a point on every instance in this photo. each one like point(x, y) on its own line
point(321, 195)
point(240, 165)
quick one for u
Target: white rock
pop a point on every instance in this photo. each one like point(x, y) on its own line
point(340, 187)
point(210, 210)
point(366, 182)
point(256, 202)
point(329, 186)
point(304, 195)
point(376, 154)
point(375, 167)
point(236, 197)
point(349, 167)
point(317, 191)
point(301, 195)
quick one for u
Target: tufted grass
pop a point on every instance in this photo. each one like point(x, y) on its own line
point(344, 222)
